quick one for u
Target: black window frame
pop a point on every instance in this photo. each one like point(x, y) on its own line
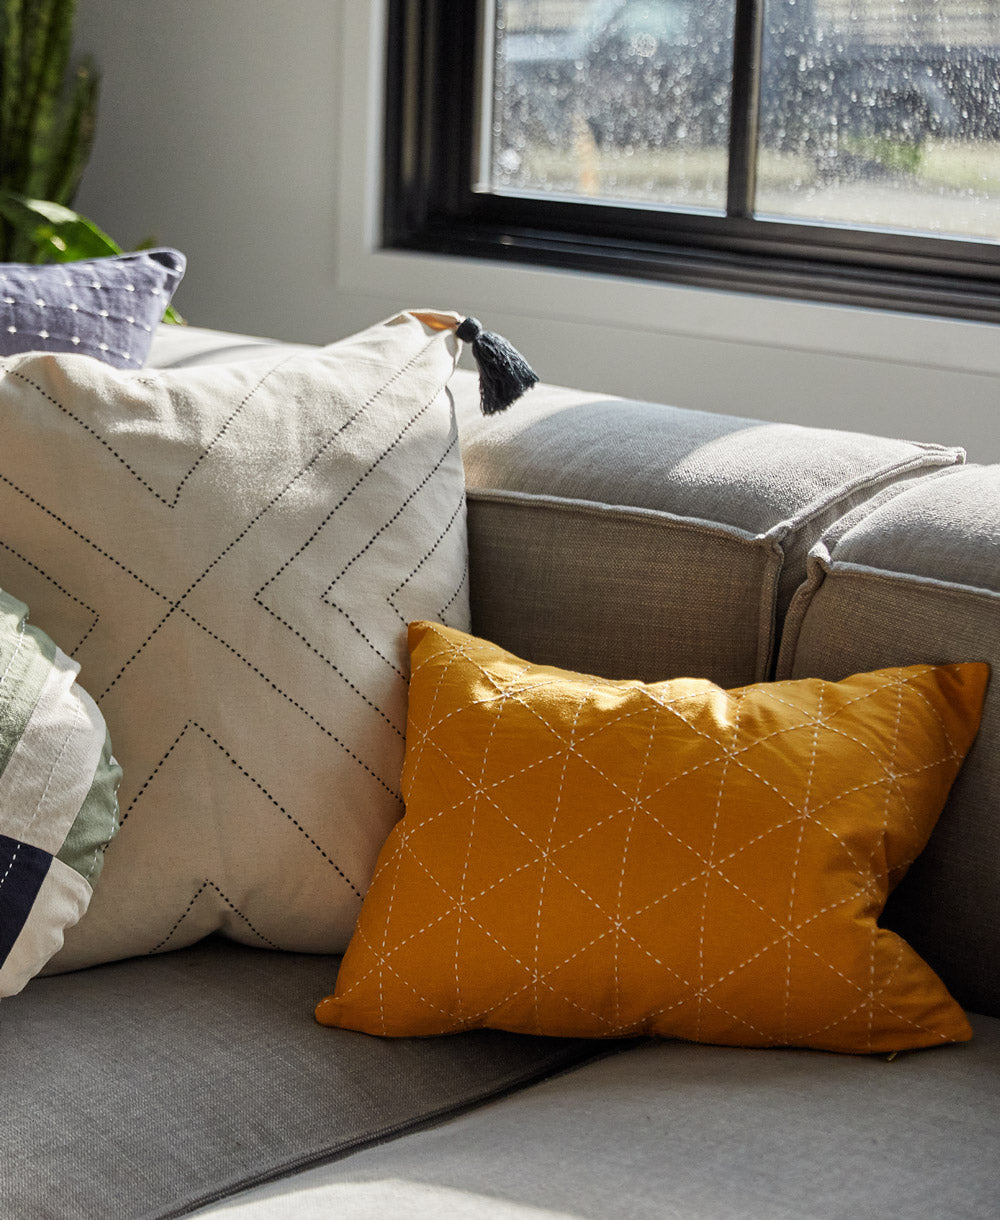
point(431, 114)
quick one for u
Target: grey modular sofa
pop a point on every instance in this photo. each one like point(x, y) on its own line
point(623, 539)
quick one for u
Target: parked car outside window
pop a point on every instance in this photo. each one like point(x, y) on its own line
point(630, 99)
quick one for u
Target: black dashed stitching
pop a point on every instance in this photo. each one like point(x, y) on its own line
point(373, 398)
point(392, 520)
point(64, 591)
point(115, 680)
point(153, 774)
point(281, 809)
point(83, 538)
point(298, 706)
point(440, 538)
point(187, 911)
point(225, 427)
point(336, 669)
point(253, 779)
point(347, 423)
point(229, 903)
point(92, 431)
point(322, 525)
point(377, 651)
point(298, 634)
point(397, 374)
point(171, 504)
point(243, 533)
point(381, 530)
point(451, 600)
point(347, 495)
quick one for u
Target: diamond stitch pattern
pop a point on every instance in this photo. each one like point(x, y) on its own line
point(585, 857)
point(231, 550)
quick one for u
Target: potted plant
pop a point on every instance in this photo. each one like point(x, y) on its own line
point(48, 111)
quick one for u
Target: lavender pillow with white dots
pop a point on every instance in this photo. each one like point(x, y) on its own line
point(103, 307)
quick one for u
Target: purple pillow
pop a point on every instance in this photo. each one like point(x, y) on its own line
point(102, 307)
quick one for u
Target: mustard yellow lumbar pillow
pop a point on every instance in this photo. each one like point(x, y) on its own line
point(582, 857)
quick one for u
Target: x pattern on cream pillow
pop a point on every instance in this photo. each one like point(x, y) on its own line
point(583, 857)
point(232, 553)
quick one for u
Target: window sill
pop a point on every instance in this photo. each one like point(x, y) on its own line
point(791, 276)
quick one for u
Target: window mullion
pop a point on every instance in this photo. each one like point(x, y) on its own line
point(432, 203)
point(744, 113)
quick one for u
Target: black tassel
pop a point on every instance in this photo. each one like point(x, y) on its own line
point(504, 374)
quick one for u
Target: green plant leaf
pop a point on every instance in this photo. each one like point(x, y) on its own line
point(12, 91)
point(47, 38)
point(70, 154)
point(58, 233)
point(47, 113)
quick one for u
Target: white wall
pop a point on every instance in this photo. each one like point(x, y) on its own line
point(246, 132)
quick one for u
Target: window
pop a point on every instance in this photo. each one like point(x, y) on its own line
point(824, 149)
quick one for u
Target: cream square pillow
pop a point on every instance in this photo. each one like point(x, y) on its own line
point(231, 553)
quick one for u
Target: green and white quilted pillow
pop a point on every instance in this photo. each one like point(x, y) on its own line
point(58, 796)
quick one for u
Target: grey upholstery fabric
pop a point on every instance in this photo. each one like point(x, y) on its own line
point(861, 610)
point(692, 1132)
point(745, 473)
point(774, 485)
point(946, 529)
point(143, 1088)
point(627, 593)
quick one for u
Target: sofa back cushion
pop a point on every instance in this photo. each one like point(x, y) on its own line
point(918, 580)
point(630, 539)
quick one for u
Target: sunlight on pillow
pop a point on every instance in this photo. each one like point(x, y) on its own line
point(582, 857)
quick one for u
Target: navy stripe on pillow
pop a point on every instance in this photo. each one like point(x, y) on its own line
point(23, 868)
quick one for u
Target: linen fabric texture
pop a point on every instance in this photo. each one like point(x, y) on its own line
point(584, 857)
point(232, 553)
point(238, 1084)
point(102, 307)
point(58, 808)
point(687, 530)
point(673, 1129)
point(920, 580)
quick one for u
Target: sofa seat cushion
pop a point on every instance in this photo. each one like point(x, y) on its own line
point(632, 539)
point(918, 581)
point(148, 1087)
point(702, 1133)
